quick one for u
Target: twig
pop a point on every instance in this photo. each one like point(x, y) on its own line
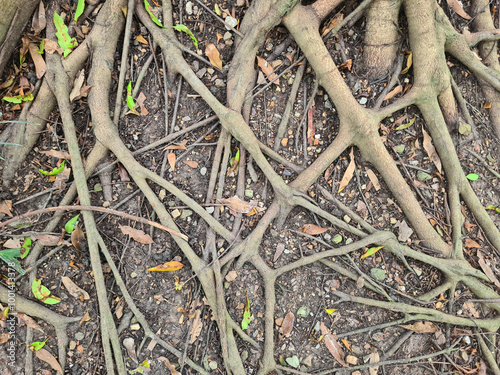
point(220, 19)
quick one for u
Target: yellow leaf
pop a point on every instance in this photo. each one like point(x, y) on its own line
point(330, 311)
point(371, 251)
point(169, 266)
point(141, 39)
point(409, 61)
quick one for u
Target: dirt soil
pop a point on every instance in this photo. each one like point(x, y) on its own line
point(182, 317)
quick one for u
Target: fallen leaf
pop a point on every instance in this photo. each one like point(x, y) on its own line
point(404, 231)
point(168, 365)
point(231, 275)
point(4, 337)
point(331, 25)
point(421, 327)
point(140, 102)
point(286, 326)
point(374, 358)
point(247, 315)
point(129, 344)
point(196, 326)
point(29, 321)
point(51, 46)
point(74, 289)
point(371, 251)
point(471, 243)
point(409, 61)
point(393, 92)
point(124, 177)
point(469, 306)
point(40, 66)
point(213, 55)
point(177, 146)
point(46, 356)
point(456, 6)
point(171, 160)
point(136, 234)
point(431, 151)
point(169, 266)
point(312, 229)
point(267, 69)
point(191, 163)
point(332, 345)
point(77, 237)
point(349, 172)
point(311, 129)
point(6, 207)
point(57, 154)
point(237, 205)
point(141, 39)
point(77, 86)
point(486, 269)
point(373, 178)
point(279, 250)
point(39, 20)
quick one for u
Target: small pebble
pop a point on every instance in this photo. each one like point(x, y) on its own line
point(176, 213)
point(210, 209)
point(249, 193)
point(230, 21)
point(79, 336)
point(228, 35)
point(363, 101)
point(219, 82)
point(72, 345)
point(135, 327)
point(203, 171)
point(186, 213)
point(210, 71)
point(189, 7)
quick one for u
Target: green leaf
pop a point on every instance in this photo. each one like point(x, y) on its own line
point(79, 9)
point(371, 251)
point(247, 315)
point(69, 227)
point(12, 261)
point(42, 293)
point(130, 99)
point(303, 311)
point(494, 208)
point(217, 10)
point(186, 30)
point(65, 41)
point(472, 176)
point(37, 345)
point(55, 171)
point(330, 311)
point(25, 249)
point(42, 47)
point(407, 125)
point(153, 17)
point(16, 253)
point(293, 361)
point(19, 98)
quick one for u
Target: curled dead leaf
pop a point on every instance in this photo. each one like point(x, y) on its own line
point(286, 326)
point(349, 172)
point(267, 69)
point(74, 289)
point(136, 234)
point(312, 229)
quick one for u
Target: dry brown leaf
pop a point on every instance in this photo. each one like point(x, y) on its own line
point(431, 151)
point(213, 55)
point(231, 276)
point(312, 229)
point(191, 163)
point(52, 46)
point(177, 146)
point(136, 234)
point(334, 22)
point(393, 92)
point(171, 160)
point(374, 358)
point(46, 239)
point(279, 250)
point(140, 102)
point(349, 172)
point(267, 69)
point(38, 60)
point(46, 356)
point(421, 327)
point(373, 178)
point(486, 269)
point(333, 345)
point(77, 86)
point(346, 65)
point(311, 129)
point(57, 154)
point(399, 121)
point(456, 6)
point(129, 344)
point(74, 289)
point(123, 173)
point(29, 321)
point(4, 337)
point(471, 243)
point(469, 306)
point(286, 326)
point(170, 366)
point(196, 327)
point(6, 207)
point(77, 237)
point(237, 205)
point(141, 39)
point(219, 37)
point(39, 20)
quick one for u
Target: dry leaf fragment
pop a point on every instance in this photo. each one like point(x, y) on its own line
point(141, 39)
point(213, 55)
point(77, 86)
point(74, 289)
point(4, 337)
point(431, 151)
point(136, 234)
point(140, 102)
point(6, 207)
point(311, 129)
point(196, 327)
point(312, 229)
point(237, 205)
point(486, 269)
point(129, 344)
point(57, 154)
point(393, 92)
point(231, 275)
point(170, 366)
point(421, 327)
point(171, 160)
point(39, 20)
point(374, 358)
point(456, 6)
point(332, 344)
point(46, 356)
point(279, 250)
point(471, 243)
point(349, 172)
point(77, 237)
point(469, 306)
point(373, 178)
point(334, 22)
point(52, 46)
point(46, 239)
point(191, 163)
point(29, 321)
point(40, 66)
point(169, 266)
point(286, 326)
point(267, 69)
